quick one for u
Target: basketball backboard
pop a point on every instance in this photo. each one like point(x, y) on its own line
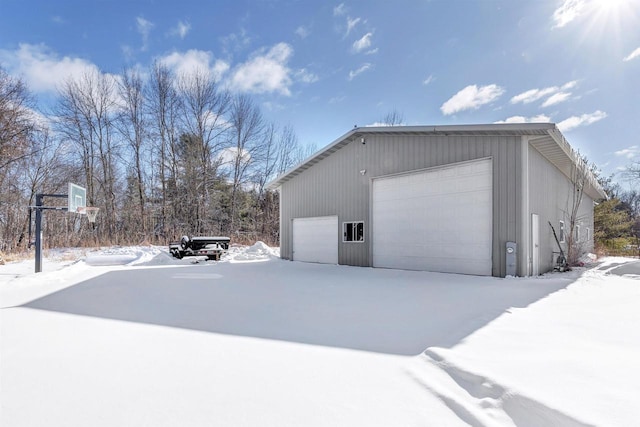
point(77, 197)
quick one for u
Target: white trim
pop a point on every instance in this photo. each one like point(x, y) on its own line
point(526, 255)
point(535, 241)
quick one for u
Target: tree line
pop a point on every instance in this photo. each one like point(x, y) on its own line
point(161, 155)
point(617, 219)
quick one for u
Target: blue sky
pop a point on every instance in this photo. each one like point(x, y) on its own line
point(324, 66)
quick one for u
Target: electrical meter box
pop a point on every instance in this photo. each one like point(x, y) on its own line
point(512, 256)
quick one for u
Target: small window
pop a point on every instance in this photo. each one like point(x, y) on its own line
point(577, 233)
point(588, 234)
point(561, 231)
point(353, 231)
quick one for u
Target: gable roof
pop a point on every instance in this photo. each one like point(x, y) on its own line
point(545, 137)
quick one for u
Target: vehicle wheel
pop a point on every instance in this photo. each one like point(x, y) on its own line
point(184, 242)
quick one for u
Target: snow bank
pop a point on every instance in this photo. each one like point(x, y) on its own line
point(258, 252)
point(566, 360)
point(132, 255)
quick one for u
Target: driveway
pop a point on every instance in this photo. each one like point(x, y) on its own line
point(631, 268)
point(384, 311)
point(232, 344)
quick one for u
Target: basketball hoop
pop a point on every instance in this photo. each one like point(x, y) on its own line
point(90, 211)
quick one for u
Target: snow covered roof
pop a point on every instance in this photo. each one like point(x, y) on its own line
point(545, 137)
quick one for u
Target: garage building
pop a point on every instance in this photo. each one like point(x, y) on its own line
point(436, 198)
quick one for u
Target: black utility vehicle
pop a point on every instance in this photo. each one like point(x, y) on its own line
point(211, 247)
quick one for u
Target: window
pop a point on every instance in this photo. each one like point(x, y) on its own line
point(353, 231)
point(577, 233)
point(561, 232)
point(588, 236)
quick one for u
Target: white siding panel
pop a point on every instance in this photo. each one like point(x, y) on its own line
point(435, 220)
point(316, 239)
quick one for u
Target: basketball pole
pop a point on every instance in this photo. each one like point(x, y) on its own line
point(39, 207)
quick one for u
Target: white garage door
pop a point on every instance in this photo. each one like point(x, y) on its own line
point(316, 239)
point(435, 220)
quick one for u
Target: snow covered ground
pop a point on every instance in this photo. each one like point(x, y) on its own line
point(133, 337)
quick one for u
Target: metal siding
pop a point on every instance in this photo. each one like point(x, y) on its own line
point(334, 185)
point(543, 186)
point(550, 191)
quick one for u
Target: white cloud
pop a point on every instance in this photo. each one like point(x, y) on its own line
point(41, 68)
point(236, 41)
point(229, 155)
point(569, 85)
point(351, 23)
point(305, 76)
point(303, 32)
point(380, 124)
point(556, 94)
point(533, 95)
point(566, 13)
point(339, 10)
point(471, 98)
point(363, 43)
point(127, 51)
point(556, 98)
point(185, 63)
point(181, 30)
point(541, 118)
point(354, 73)
point(629, 153)
point(144, 28)
point(219, 68)
point(583, 120)
point(428, 80)
point(265, 71)
point(632, 55)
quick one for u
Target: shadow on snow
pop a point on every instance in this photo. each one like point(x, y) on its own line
point(386, 311)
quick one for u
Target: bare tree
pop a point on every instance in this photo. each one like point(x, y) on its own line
point(393, 118)
point(24, 143)
point(248, 144)
point(132, 125)
point(266, 168)
point(204, 106)
point(633, 172)
point(85, 115)
point(16, 120)
point(582, 175)
point(150, 155)
point(163, 104)
point(290, 152)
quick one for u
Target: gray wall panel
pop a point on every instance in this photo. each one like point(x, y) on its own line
point(334, 186)
point(549, 194)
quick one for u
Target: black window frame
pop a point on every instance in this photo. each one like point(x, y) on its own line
point(353, 232)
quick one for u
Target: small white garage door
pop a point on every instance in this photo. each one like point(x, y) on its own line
point(435, 220)
point(316, 239)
